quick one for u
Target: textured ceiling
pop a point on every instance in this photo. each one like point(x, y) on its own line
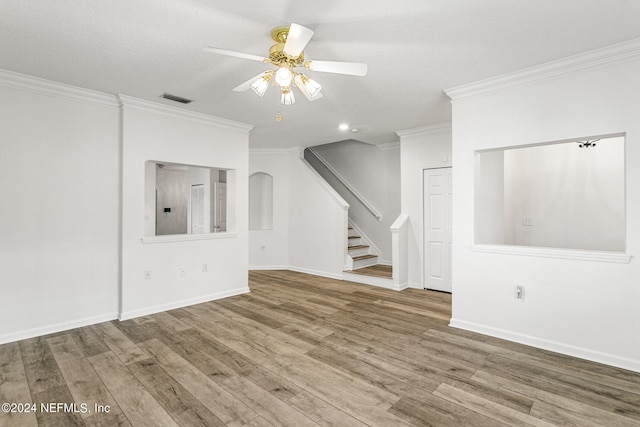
point(414, 48)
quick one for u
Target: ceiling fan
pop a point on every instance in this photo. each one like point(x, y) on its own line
point(287, 56)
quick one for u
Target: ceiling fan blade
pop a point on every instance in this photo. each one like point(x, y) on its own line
point(234, 53)
point(246, 85)
point(297, 40)
point(351, 68)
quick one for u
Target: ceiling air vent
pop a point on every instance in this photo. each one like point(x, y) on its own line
point(175, 98)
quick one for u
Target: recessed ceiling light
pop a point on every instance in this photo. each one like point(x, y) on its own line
point(343, 126)
point(355, 130)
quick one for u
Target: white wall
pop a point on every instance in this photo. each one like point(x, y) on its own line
point(270, 248)
point(318, 222)
point(374, 172)
point(59, 186)
point(155, 132)
point(489, 206)
point(309, 218)
point(150, 199)
point(420, 148)
point(575, 306)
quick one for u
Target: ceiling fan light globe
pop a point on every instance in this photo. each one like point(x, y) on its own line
point(313, 87)
point(283, 76)
point(260, 86)
point(310, 88)
point(287, 97)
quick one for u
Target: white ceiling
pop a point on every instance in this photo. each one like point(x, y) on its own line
point(414, 48)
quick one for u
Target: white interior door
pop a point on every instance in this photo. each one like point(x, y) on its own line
point(437, 228)
point(220, 207)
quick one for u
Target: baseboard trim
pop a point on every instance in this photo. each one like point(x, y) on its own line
point(401, 286)
point(126, 315)
point(315, 272)
point(415, 285)
point(297, 269)
point(268, 267)
point(87, 321)
point(558, 347)
point(58, 327)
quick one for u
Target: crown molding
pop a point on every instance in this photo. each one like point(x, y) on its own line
point(153, 107)
point(614, 54)
point(388, 145)
point(284, 150)
point(48, 87)
point(425, 130)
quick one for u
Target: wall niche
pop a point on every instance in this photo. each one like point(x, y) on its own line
point(260, 201)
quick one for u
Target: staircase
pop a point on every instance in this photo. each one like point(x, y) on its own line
point(362, 264)
point(359, 252)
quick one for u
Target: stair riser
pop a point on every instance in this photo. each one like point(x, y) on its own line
point(353, 242)
point(365, 263)
point(358, 252)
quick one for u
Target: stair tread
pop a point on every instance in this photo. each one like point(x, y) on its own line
point(378, 270)
point(357, 247)
point(361, 257)
point(354, 237)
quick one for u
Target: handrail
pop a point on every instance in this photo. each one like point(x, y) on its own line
point(330, 190)
point(344, 182)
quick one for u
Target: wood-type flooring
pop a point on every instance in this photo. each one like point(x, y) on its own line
point(303, 350)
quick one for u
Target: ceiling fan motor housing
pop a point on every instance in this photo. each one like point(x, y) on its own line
point(276, 52)
point(286, 55)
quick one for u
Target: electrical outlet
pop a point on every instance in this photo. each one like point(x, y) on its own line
point(183, 271)
point(528, 222)
point(147, 275)
point(205, 267)
point(519, 292)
